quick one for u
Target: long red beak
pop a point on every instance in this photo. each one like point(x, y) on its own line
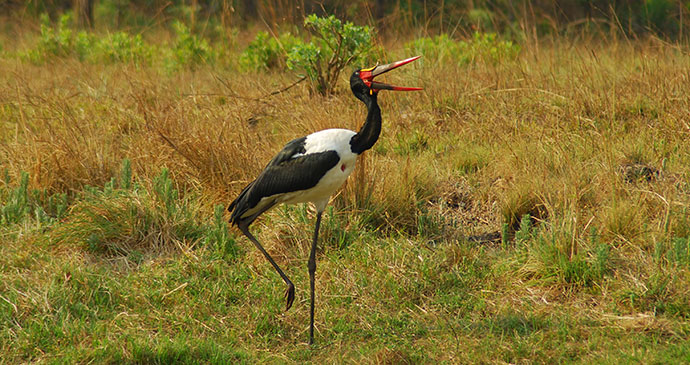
point(367, 75)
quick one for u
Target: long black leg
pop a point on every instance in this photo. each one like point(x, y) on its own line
point(311, 265)
point(290, 292)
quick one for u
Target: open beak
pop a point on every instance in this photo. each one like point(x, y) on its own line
point(367, 75)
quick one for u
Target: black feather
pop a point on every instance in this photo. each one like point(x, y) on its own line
point(284, 174)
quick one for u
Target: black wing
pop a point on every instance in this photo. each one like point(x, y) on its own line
point(284, 174)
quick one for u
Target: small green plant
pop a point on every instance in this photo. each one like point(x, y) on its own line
point(122, 47)
point(49, 208)
point(411, 144)
point(189, 50)
point(335, 231)
point(550, 259)
point(441, 48)
point(430, 226)
point(334, 46)
point(54, 40)
point(679, 251)
point(525, 231)
point(218, 236)
point(17, 205)
point(20, 203)
point(61, 41)
point(266, 52)
point(505, 235)
point(126, 175)
point(163, 187)
point(518, 202)
point(482, 47)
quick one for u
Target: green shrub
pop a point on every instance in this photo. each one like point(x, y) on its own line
point(189, 50)
point(481, 48)
point(411, 144)
point(334, 46)
point(186, 51)
point(486, 47)
point(266, 52)
point(218, 236)
point(84, 44)
point(122, 47)
point(163, 187)
point(441, 48)
point(525, 232)
point(53, 41)
point(61, 41)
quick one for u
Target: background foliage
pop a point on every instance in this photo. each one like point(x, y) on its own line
point(667, 18)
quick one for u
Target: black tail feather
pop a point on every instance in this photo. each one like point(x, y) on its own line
point(239, 205)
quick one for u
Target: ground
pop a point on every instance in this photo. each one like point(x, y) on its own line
point(522, 210)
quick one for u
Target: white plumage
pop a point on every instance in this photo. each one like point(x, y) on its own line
point(337, 140)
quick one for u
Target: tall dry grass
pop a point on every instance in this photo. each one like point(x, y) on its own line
point(547, 134)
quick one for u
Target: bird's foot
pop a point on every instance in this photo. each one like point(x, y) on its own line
point(290, 295)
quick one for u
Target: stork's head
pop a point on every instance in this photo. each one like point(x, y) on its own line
point(362, 81)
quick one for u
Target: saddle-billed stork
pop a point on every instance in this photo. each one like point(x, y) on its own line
point(311, 169)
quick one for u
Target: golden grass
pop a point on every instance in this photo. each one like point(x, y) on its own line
point(546, 135)
point(543, 135)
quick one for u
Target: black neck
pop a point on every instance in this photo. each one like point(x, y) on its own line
point(369, 134)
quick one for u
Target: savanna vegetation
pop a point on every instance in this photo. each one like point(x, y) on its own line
point(531, 205)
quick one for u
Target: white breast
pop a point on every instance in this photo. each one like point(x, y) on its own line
point(337, 140)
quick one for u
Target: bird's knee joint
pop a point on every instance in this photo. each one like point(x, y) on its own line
point(311, 265)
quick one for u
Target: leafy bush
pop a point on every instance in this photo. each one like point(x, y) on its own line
point(122, 47)
point(334, 46)
point(266, 52)
point(483, 47)
point(189, 50)
point(54, 41)
point(440, 48)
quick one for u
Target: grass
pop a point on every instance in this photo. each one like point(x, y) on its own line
point(114, 247)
